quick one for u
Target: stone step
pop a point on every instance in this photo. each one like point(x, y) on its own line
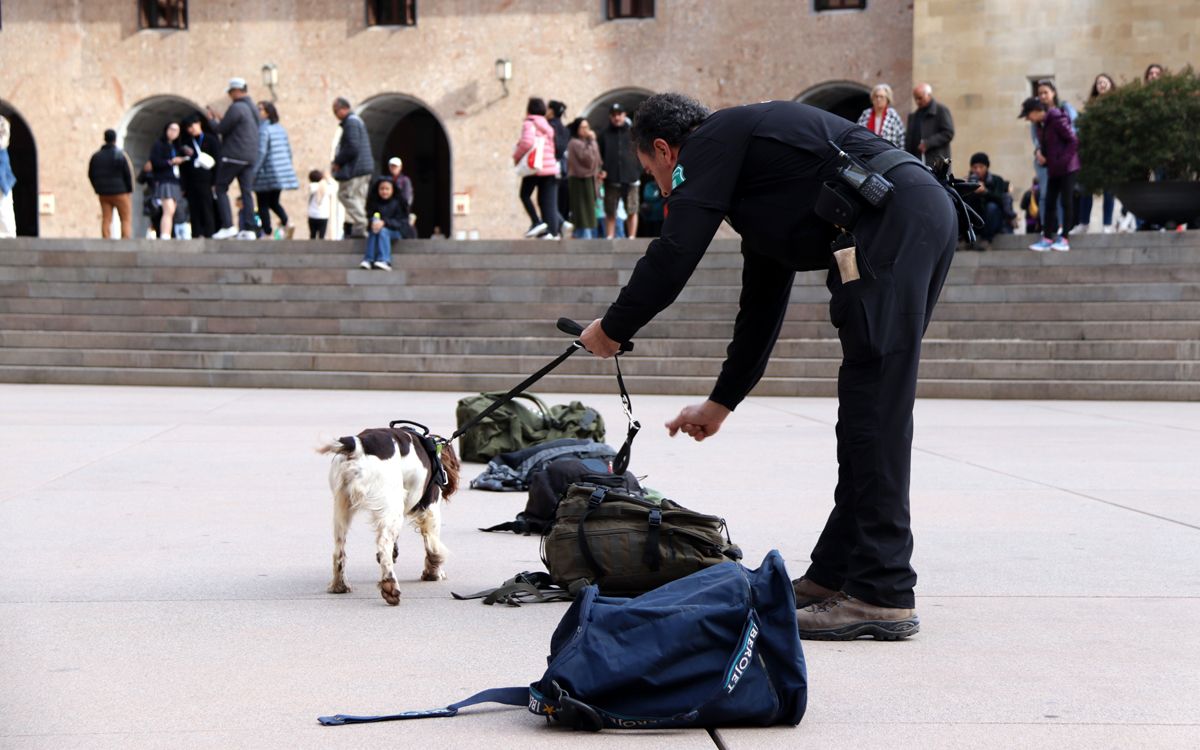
point(471, 383)
point(724, 270)
point(713, 348)
point(270, 327)
point(19, 277)
point(518, 366)
point(581, 306)
point(561, 288)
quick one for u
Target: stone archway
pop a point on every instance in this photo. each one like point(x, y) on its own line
point(140, 127)
point(401, 125)
point(22, 153)
point(843, 98)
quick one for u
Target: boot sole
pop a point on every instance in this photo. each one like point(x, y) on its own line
point(880, 630)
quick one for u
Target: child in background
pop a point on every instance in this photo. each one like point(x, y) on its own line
point(320, 204)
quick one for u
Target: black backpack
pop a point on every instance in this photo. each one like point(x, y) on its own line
point(549, 482)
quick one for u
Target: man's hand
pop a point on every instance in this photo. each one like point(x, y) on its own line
point(1041, 158)
point(981, 189)
point(699, 420)
point(596, 341)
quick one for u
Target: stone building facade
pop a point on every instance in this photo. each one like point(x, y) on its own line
point(983, 58)
point(429, 92)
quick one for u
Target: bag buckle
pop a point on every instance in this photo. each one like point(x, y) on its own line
point(655, 517)
point(597, 496)
point(576, 714)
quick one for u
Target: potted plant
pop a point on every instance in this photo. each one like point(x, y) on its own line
point(1142, 141)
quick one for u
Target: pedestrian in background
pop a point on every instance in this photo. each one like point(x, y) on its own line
point(275, 172)
point(1102, 85)
point(197, 175)
point(352, 167)
point(621, 173)
point(536, 132)
point(583, 167)
point(1047, 92)
point(239, 151)
point(562, 137)
point(320, 203)
point(1060, 147)
point(165, 156)
point(112, 180)
point(8, 219)
point(388, 220)
point(881, 119)
point(930, 127)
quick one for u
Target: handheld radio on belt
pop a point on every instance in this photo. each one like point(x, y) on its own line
point(863, 184)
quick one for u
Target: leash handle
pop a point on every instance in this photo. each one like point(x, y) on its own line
point(568, 326)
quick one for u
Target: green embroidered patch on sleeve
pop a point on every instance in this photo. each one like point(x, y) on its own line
point(677, 177)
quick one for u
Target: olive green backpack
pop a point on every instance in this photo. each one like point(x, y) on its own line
point(514, 426)
point(628, 543)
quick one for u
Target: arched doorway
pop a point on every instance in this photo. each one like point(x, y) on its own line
point(142, 125)
point(399, 125)
point(843, 98)
point(22, 153)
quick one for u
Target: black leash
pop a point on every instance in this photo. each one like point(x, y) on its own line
point(566, 325)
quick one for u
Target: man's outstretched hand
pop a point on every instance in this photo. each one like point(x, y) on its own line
point(699, 420)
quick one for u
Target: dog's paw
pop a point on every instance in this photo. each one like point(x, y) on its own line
point(433, 575)
point(390, 591)
point(338, 587)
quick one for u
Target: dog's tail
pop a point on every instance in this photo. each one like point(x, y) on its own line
point(346, 446)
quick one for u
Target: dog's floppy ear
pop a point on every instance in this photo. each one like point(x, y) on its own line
point(452, 466)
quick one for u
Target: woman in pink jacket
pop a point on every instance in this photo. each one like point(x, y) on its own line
point(546, 178)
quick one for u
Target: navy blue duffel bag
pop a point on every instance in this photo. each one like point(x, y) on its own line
point(717, 648)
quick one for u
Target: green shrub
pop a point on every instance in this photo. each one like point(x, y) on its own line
point(1139, 128)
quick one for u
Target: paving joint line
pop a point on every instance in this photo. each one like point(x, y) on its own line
point(1067, 490)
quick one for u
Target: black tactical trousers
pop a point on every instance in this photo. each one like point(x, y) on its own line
point(904, 254)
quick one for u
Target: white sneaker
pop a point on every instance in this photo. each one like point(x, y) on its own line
point(245, 234)
point(567, 227)
point(225, 233)
point(551, 237)
point(365, 265)
point(537, 230)
point(382, 266)
point(1109, 229)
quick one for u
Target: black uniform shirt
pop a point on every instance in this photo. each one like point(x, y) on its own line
point(762, 166)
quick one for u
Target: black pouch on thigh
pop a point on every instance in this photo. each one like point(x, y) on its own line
point(864, 312)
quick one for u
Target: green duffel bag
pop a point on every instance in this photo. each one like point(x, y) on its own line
point(628, 544)
point(515, 426)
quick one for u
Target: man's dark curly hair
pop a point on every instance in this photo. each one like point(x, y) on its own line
point(668, 116)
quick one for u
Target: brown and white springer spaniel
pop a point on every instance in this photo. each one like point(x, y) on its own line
point(389, 472)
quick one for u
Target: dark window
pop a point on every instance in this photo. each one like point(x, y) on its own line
point(630, 9)
point(820, 5)
point(391, 12)
point(162, 14)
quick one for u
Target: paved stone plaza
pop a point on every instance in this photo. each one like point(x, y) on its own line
point(166, 551)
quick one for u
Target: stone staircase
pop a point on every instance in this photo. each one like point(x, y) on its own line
point(1116, 318)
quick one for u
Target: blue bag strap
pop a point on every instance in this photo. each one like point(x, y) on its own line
point(511, 696)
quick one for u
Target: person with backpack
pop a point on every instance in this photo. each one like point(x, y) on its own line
point(108, 171)
point(772, 171)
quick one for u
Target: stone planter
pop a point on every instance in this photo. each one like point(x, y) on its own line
point(1161, 202)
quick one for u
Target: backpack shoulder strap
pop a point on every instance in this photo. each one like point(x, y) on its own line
point(511, 696)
